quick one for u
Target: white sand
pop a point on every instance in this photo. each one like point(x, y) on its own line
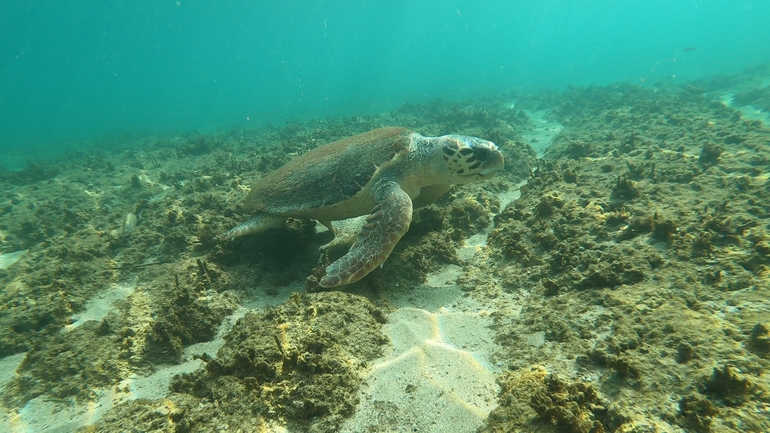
point(8, 259)
point(542, 133)
point(749, 112)
point(98, 307)
point(435, 376)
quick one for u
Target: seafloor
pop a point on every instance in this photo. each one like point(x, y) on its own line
point(626, 290)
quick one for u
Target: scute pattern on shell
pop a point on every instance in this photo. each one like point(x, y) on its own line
point(328, 174)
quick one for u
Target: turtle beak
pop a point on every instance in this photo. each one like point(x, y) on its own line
point(488, 154)
point(484, 161)
point(495, 162)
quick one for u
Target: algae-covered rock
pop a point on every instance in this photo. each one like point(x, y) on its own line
point(759, 340)
point(697, 413)
point(185, 316)
point(298, 363)
point(573, 408)
point(69, 366)
point(166, 415)
point(649, 271)
point(729, 385)
point(534, 400)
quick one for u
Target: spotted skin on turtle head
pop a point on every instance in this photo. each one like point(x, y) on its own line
point(471, 158)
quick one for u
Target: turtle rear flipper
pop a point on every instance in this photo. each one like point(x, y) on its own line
point(385, 225)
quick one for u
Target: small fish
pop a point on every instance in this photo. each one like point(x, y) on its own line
point(130, 223)
point(690, 48)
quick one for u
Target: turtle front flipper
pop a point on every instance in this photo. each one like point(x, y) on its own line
point(259, 222)
point(384, 227)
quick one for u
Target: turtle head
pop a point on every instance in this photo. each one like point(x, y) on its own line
point(469, 159)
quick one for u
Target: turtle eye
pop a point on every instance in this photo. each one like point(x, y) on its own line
point(482, 153)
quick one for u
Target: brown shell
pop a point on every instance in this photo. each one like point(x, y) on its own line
point(328, 174)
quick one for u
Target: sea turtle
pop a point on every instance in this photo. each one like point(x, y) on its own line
point(383, 173)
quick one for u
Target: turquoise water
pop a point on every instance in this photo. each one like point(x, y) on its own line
point(89, 69)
